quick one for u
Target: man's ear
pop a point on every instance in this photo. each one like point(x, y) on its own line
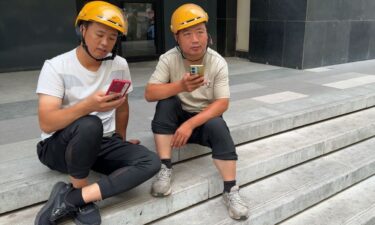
point(175, 38)
point(79, 33)
point(209, 39)
point(82, 28)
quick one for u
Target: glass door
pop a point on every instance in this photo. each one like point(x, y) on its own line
point(141, 41)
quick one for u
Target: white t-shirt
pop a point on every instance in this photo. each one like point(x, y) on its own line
point(64, 77)
point(171, 68)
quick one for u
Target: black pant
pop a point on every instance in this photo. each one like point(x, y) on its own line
point(215, 134)
point(80, 147)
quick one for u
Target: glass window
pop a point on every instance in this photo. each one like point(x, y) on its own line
point(140, 40)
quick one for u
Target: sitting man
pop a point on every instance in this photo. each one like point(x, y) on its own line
point(83, 128)
point(190, 106)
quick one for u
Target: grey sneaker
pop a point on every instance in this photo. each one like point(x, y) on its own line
point(162, 183)
point(237, 207)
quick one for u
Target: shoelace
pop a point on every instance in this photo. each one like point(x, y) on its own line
point(164, 174)
point(235, 198)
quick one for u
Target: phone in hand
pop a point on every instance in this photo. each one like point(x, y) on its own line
point(197, 69)
point(119, 86)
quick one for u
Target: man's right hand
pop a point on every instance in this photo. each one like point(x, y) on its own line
point(100, 102)
point(191, 82)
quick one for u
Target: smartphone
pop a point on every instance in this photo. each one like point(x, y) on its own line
point(197, 69)
point(118, 86)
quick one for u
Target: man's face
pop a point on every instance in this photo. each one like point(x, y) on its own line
point(100, 39)
point(193, 40)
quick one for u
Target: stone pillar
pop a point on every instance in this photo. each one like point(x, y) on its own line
point(311, 33)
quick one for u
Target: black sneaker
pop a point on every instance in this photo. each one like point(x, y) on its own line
point(88, 214)
point(56, 207)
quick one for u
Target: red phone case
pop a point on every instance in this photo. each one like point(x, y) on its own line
point(118, 86)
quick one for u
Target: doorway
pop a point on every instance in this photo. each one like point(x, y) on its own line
point(141, 39)
point(243, 26)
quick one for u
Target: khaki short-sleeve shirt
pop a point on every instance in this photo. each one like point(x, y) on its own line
point(171, 68)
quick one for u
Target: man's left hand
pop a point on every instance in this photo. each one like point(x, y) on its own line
point(181, 136)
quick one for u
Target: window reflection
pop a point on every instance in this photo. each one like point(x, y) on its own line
point(140, 40)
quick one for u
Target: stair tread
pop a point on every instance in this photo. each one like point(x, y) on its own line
point(280, 196)
point(354, 206)
point(257, 159)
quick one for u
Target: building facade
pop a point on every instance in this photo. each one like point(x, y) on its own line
point(311, 33)
point(291, 33)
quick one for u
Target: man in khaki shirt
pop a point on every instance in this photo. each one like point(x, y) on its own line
point(190, 106)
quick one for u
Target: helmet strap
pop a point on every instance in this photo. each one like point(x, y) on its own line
point(84, 45)
point(111, 57)
point(184, 57)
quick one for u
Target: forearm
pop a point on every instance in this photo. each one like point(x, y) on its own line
point(215, 109)
point(122, 119)
point(55, 120)
point(156, 92)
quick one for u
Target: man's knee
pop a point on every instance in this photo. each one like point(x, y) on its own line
point(165, 120)
point(220, 139)
point(216, 126)
point(152, 160)
point(168, 104)
point(84, 146)
point(90, 125)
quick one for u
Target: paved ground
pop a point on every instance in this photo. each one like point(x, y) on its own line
point(269, 90)
point(265, 100)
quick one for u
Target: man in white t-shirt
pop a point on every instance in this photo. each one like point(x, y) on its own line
point(83, 128)
point(190, 106)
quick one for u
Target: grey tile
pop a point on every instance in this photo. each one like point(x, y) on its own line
point(19, 129)
point(368, 7)
point(314, 44)
point(352, 10)
point(372, 40)
point(359, 40)
point(15, 110)
point(293, 44)
point(290, 10)
point(336, 43)
point(41, 37)
point(274, 42)
point(322, 10)
point(259, 9)
point(258, 37)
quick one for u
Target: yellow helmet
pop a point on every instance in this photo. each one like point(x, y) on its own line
point(187, 15)
point(104, 13)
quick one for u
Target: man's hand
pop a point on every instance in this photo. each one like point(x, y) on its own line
point(100, 102)
point(134, 141)
point(191, 82)
point(181, 136)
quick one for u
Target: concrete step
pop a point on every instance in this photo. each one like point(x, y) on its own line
point(354, 206)
point(32, 177)
point(247, 120)
point(195, 180)
point(287, 193)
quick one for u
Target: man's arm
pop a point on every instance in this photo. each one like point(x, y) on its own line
point(122, 118)
point(52, 117)
point(156, 92)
